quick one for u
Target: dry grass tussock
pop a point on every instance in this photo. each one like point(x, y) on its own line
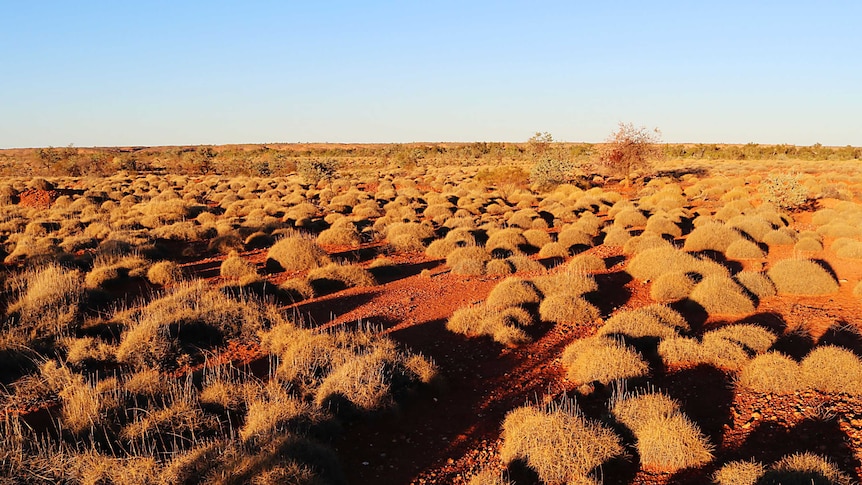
point(489, 477)
point(729, 347)
point(557, 442)
point(833, 369)
point(799, 468)
point(652, 263)
point(721, 295)
point(602, 359)
point(802, 277)
point(187, 317)
point(506, 326)
point(771, 372)
point(348, 370)
point(666, 439)
point(45, 301)
point(297, 253)
point(650, 321)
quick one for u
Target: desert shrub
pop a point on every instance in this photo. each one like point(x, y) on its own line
point(314, 171)
point(84, 350)
point(489, 477)
point(647, 240)
point(165, 273)
point(671, 287)
point(87, 404)
point(235, 267)
point(565, 282)
point(833, 369)
point(468, 260)
point(801, 277)
point(652, 263)
point(739, 473)
point(758, 284)
point(721, 295)
point(744, 249)
point(779, 237)
point(574, 237)
point(565, 307)
point(335, 277)
point(297, 289)
point(808, 244)
point(851, 250)
point(586, 263)
point(648, 321)
point(504, 326)
point(46, 301)
point(629, 218)
point(666, 439)
point(802, 469)
point(783, 190)
point(630, 149)
point(509, 239)
point(112, 270)
point(713, 237)
point(602, 359)
point(661, 224)
point(752, 337)
point(297, 253)
point(557, 442)
point(554, 250)
point(340, 234)
point(537, 238)
point(370, 382)
point(616, 236)
point(185, 320)
point(754, 226)
point(551, 172)
point(408, 236)
point(771, 372)
point(512, 292)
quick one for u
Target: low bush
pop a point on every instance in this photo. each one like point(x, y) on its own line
point(739, 473)
point(744, 249)
point(771, 372)
point(783, 190)
point(671, 287)
point(468, 260)
point(804, 468)
point(802, 277)
point(557, 442)
point(296, 253)
point(758, 284)
point(564, 307)
point(165, 273)
point(721, 295)
point(833, 369)
point(713, 237)
point(602, 359)
point(666, 439)
point(652, 263)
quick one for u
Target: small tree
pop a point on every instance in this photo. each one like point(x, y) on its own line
point(539, 143)
point(630, 148)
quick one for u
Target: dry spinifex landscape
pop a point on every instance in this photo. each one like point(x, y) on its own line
point(471, 314)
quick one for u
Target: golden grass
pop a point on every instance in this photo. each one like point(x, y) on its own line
point(297, 253)
point(744, 249)
point(666, 439)
point(801, 277)
point(771, 372)
point(739, 473)
point(652, 263)
point(712, 236)
point(563, 307)
point(512, 292)
point(557, 443)
point(721, 295)
point(671, 287)
point(165, 273)
point(236, 268)
point(805, 468)
point(587, 263)
point(602, 359)
point(46, 300)
point(650, 321)
point(757, 283)
point(489, 477)
point(468, 260)
point(833, 369)
point(504, 326)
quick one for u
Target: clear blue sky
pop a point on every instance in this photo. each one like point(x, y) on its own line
point(210, 72)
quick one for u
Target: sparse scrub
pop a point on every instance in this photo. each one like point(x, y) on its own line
point(165, 273)
point(671, 287)
point(784, 190)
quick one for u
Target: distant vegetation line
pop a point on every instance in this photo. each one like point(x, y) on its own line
point(282, 159)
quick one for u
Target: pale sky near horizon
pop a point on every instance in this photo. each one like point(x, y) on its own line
point(99, 73)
